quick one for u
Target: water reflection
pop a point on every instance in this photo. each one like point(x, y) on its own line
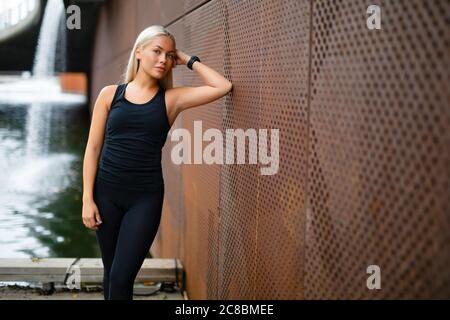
point(41, 153)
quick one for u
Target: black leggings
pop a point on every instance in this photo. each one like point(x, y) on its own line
point(130, 220)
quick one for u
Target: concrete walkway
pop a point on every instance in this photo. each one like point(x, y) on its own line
point(20, 293)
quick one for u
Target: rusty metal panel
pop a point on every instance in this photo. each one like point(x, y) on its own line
point(379, 156)
point(203, 33)
point(148, 12)
point(115, 20)
point(363, 173)
point(190, 5)
point(170, 10)
point(239, 183)
point(283, 105)
point(198, 187)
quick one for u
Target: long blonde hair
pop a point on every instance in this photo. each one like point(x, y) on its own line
point(144, 38)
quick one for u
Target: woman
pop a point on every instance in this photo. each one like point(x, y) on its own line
point(122, 200)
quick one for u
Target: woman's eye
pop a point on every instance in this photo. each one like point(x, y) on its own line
point(170, 56)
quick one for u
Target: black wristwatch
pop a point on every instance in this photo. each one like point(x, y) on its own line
point(191, 61)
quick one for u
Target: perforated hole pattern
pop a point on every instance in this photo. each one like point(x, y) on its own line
point(364, 173)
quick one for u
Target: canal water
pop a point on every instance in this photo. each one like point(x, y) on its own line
point(43, 134)
point(41, 157)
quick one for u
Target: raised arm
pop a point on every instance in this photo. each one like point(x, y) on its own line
point(183, 98)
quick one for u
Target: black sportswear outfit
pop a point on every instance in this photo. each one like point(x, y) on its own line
point(129, 188)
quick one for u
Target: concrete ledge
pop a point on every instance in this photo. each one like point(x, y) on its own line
point(91, 270)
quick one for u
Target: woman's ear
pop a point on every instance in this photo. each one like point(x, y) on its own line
point(138, 53)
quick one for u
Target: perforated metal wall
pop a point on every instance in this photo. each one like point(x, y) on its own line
point(364, 157)
point(201, 182)
point(379, 148)
point(239, 183)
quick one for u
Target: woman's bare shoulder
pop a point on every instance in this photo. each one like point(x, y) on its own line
point(107, 94)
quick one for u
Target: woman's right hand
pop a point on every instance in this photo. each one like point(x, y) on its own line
point(91, 215)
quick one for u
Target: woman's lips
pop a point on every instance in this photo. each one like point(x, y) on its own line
point(160, 69)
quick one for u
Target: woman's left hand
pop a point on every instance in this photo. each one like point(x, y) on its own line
point(181, 58)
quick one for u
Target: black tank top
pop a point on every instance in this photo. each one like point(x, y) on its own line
point(134, 136)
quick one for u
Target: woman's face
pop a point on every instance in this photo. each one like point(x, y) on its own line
point(159, 53)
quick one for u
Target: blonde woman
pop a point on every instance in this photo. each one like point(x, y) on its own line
point(123, 195)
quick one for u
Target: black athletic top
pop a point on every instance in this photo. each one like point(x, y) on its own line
point(134, 136)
